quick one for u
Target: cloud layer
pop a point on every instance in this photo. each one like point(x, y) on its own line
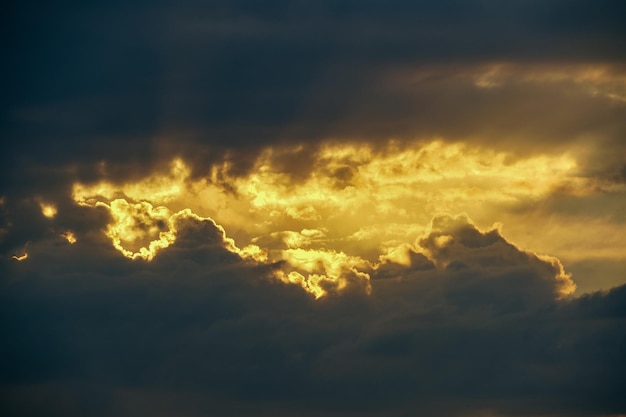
point(337, 208)
point(200, 330)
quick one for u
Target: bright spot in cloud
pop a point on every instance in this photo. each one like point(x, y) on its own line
point(49, 210)
point(20, 257)
point(356, 206)
point(69, 236)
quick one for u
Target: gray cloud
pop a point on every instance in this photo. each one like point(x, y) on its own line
point(471, 327)
point(197, 79)
point(483, 332)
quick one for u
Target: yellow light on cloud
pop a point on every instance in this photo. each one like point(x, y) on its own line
point(358, 206)
point(20, 257)
point(69, 236)
point(49, 210)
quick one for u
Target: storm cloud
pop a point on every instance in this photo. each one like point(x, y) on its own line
point(337, 208)
point(485, 331)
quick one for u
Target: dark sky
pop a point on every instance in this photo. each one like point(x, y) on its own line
point(313, 208)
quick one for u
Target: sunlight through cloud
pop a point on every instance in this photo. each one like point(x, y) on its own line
point(355, 208)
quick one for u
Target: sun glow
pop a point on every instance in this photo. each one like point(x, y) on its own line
point(20, 257)
point(350, 210)
point(596, 80)
point(69, 236)
point(49, 210)
point(157, 189)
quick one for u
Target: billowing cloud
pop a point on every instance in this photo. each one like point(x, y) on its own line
point(477, 259)
point(471, 319)
point(313, 208)
point(347, 209)
point(358, 202)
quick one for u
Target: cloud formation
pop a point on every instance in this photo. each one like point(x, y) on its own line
point(306, 208)
point(472, 319)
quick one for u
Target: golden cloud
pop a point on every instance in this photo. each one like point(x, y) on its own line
point(49, 210)
point(356, 208)
point(69, 236)
point(596, 80)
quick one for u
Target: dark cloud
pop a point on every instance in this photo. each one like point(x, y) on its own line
point(472, 326)
point(130, 83)
point(22, 221)
point(199, 330)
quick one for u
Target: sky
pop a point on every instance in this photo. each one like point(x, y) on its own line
point(313, 208)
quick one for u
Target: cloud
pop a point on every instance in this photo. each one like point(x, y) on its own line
point(455, 243)
point(465, 264)
point(234, 208)
point(347, 208)
point(470, 325)
point(179, 79)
